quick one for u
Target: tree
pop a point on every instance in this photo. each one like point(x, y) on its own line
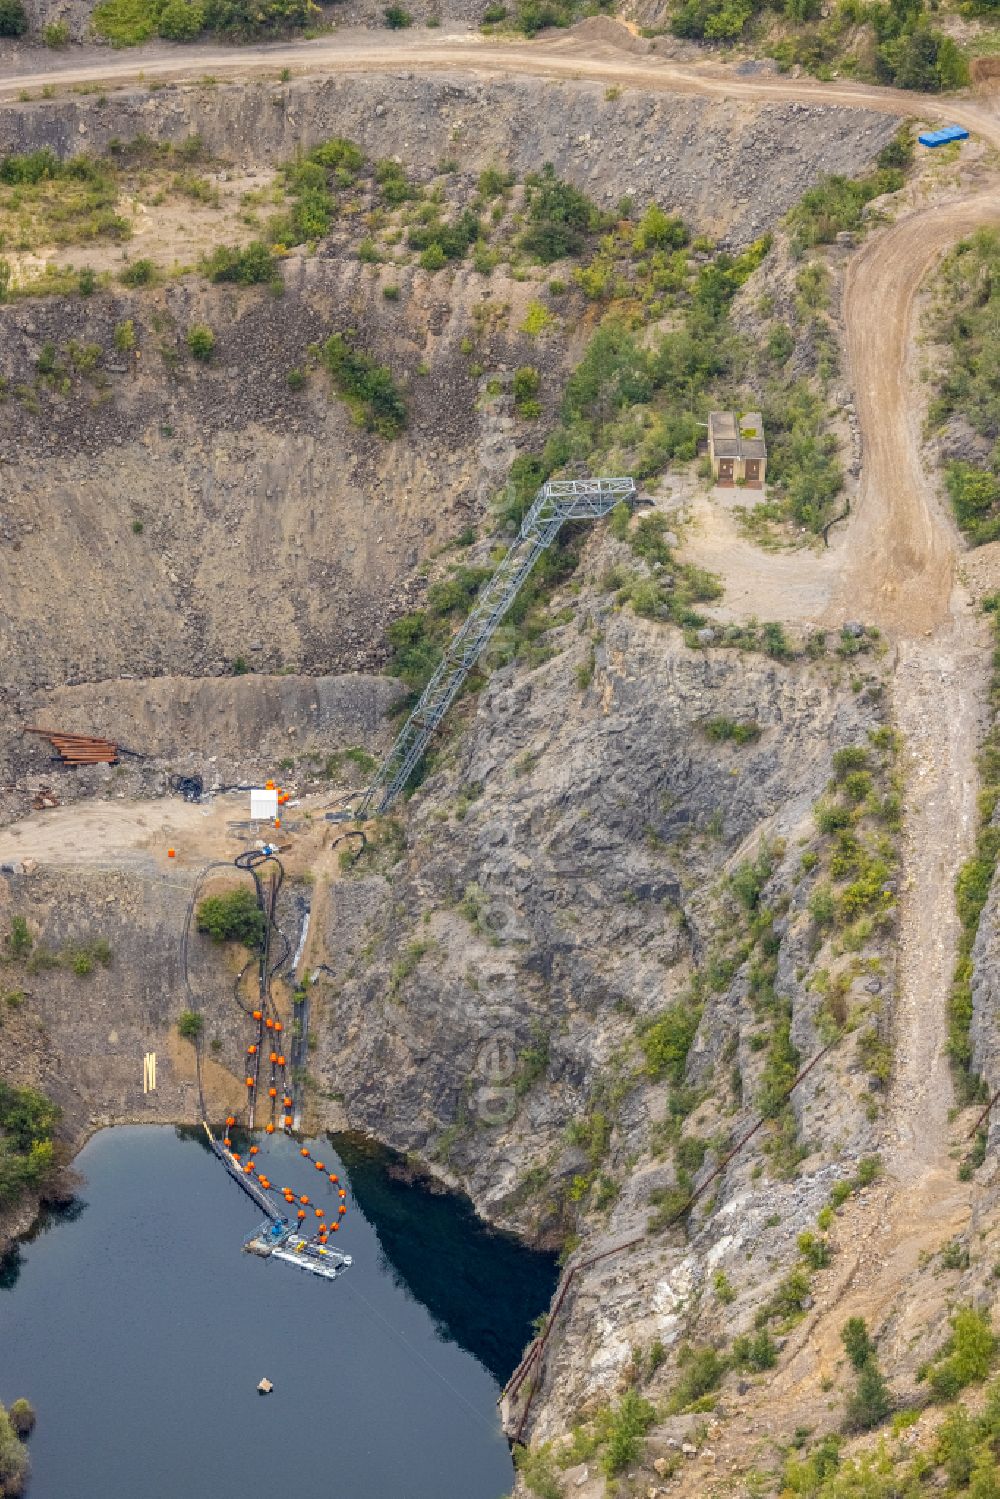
point(22, 1417)
point(190, 1025)
point(870, 1403)
point(233, 917)
point(13, 1459)
point(856, 1339)
point(559, 216)
point(13, 18)
point(181, 20)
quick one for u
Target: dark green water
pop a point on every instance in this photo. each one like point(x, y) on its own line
point(139, 1331)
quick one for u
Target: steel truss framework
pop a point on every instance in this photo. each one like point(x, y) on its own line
point(558, 501)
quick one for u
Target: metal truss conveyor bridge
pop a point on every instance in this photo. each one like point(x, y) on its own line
point(557, 501)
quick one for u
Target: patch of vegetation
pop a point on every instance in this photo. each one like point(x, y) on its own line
point(966, 1357)
point(248, 265)
point(233, 917)
point(45, 201)
point(190, 1025)
point(129, 23)
point(560, 217)
point(667, 1041)
point(201, 342)
point(888, 43)
point(837, 204)
point(13, 18)
point(729, 730)
point(28, 1123)
point(870, 1402)
point(974, 881)
point(367, 387)
point(14, 1428)
point(966, 323)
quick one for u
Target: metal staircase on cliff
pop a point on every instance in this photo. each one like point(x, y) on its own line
point(557, 501)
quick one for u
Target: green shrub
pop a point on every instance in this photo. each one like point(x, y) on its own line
point(13, 18)
point(559, 217)
point(836, 204)
point(626, 1428)
point(396, 18)
point(967, 1355)
point(701, 1372)
point(736, 731)
point(667, 1041)
point(181, 20)
point(190, 1025)
point(757, 1352)
point(248, 265)
point(526, 384)
point(56, 34)
point(22, 1417)
point(368, 388)
point(201, 342)
point(28, 1122)
point(138, 273)
point(19, 940)
point(233, 917)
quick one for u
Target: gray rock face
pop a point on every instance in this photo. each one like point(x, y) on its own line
point(730, 168)
point(557, 891)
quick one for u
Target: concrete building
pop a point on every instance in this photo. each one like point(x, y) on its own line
point(736, 448)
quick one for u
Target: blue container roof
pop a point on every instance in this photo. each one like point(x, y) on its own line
point(944, 135)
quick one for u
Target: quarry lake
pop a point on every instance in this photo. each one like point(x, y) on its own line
point(139, 1331)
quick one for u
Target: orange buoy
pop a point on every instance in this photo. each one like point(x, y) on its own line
point(268, 785)
point(304, 1200)
point(300, 1215)
point(257, 1015)
point(335, 1226)
point(227, 1142)
point(319, 1165)
point(274, 1056)
point(249, 1082)
point(278, 1025)
point(264, 1181)
point(287, 1101)
point(251, 1051)
point(269, 1023)
point(277, 822)
point(281, 1061)
point(288, 1121)
point(171, 853)
point(342, 1208)
point(231, 1119)
point(270, 1129)
point(303, 1151)
point(248, 1167)
point(319, 1213)
point(272, 1092)
point(255, 1150)
point(342, 1192)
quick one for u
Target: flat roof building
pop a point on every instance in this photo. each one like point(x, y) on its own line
point(736, 448)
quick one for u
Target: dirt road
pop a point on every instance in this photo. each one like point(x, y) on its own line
point(565, 56)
